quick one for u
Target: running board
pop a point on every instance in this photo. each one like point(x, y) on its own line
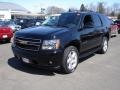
point(89, 52)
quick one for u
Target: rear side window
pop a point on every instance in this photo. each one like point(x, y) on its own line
point(97, 21)
point(105, 20)
point(111, 21)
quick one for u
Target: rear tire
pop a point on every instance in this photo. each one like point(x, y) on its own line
point(70, 60)
point(104, 46)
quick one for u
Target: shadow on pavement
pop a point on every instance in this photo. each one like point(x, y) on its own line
point(19, 65)
point(1, 43)
point(85, 58)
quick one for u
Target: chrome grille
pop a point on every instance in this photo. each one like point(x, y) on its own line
point(27, 43)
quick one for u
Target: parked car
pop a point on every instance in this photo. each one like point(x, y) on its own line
point(26, 23)
point(117, 22)
point(114, 28)
point(11, 24)
point(34, 22)
point(60, 42)
point(6, 33)
point(22, 23)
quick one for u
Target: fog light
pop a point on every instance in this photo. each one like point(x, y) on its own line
point(50, 62)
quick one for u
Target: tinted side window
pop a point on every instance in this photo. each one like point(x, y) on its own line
point(88, 21)
point(97, 21)
point(111, 21)
point(105, 20)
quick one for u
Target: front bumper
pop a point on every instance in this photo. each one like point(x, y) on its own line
point(40, 58)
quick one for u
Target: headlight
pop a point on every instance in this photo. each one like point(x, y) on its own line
point(13, 40)
point(51, 44)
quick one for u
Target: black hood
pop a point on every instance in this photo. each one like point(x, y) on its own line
point(39, 32)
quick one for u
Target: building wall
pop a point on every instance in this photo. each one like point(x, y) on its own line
point(5, 15)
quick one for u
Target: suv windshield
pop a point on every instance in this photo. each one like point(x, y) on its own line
point(64, 20)
point(51, 21)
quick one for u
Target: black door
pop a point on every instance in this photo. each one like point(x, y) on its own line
point(87, 33)
point(87, 39)
point(98, 30)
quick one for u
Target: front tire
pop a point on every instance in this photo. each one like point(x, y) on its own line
point(70, 59)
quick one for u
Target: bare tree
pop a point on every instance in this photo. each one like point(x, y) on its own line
point(100, 7)
point(118, 16)
point(109, 11)
point(83, 8)
point(42, 11)
point(116, 7)
point(72, 9)
point(54, 10)
point(92, 7)
point(112, 13)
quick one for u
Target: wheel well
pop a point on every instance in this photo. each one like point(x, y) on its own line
point(107, 35)
point(74, 43)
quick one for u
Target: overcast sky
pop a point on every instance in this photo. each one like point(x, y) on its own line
point(35, 5)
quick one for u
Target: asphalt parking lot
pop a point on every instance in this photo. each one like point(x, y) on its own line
point(96, 72)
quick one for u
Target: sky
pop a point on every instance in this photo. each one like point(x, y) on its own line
point(35, 5)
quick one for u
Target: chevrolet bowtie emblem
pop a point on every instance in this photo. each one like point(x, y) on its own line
point(23, 42)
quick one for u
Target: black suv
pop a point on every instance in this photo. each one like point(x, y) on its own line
point(63, 39)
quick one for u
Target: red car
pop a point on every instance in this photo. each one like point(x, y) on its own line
point(6, 33)
point(114, 28)
point(117, 22)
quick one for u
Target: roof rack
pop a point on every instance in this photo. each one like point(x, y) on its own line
point(78, 11)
